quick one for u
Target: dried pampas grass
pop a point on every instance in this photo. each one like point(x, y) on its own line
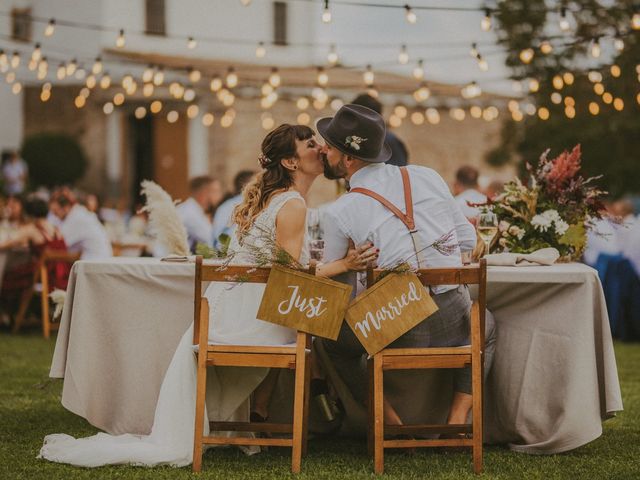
point(164, 220)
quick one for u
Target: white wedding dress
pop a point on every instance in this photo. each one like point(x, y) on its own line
point(233, 309)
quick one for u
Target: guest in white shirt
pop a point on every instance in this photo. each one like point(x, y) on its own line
point(355, 150)
point(81, 229)
point(14, 174)
point(205, 193)
point(222, 222)
point(465, 188)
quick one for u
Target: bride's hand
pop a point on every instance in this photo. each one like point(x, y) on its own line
point(357, 258)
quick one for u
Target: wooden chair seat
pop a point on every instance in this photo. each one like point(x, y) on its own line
point(425, 358)
point(293, 357)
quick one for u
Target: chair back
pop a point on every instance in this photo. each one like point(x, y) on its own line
point(55, 267)
point(227, 273)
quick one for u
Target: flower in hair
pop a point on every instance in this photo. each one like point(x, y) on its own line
point(264, 160)
point(353, 141)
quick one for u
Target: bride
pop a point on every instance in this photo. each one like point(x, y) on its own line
point(273, 206)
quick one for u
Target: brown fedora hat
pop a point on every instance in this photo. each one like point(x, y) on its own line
point(357, 131)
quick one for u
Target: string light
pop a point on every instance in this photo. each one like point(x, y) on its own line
point(635, 20)
point(526, 55)
point(105, 81)
point(97, 66)
point(422, 94)
point(118, 99)
point(482, 63)
point(323, 78)
point(260, 50)
point(80, 73)
point(490, 113)
point(207, 119)
point(120, 40)
point(15, 60)
point(191, 43)
point(147, 75)
point(418, 71)
point(433, 116)
point(368, 76)
point(475, 111)
point(156, 106)
point(158, 77)
point(80, 101)
point(543, 113)
point(570, 112)
point(564, 21)
point(326, 13)
point(107, 108)
point(568, 78)
point(302, 103)
point(595, 48)
point(594, 108)
point(557, 82)
point(16, 88)
point(267, 121)
point(71, 67)
point(61, 72)
point(216, 84)
point(45, 95)
point(472, 90)
point(403, 56)
point(417, 118)
point(303, 118)
point(140, 112)
point(598, 88)
point(618, 104)
point(173, 116)
point(147, 89)
point(534, 85)
point(556, 98)
point(474, 50)
point(485, 23)
point(274, 78)
point(192, 111)
point(615, 71)
point(607, 98)
point(36, 55)
point(50, 29)
point(618, 43)
point(594, 76)
point(232, 78)
point(332, 56)
point(194, 75)
point(546, 48)
point(189, 95)
point(410, 15)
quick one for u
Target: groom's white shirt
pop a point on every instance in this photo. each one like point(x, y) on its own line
point(361, 218)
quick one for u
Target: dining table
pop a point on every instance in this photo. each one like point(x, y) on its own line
point(552, 384)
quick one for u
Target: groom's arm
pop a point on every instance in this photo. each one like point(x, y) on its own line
point(336, 239)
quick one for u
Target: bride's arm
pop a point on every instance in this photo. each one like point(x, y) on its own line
point(290, 230)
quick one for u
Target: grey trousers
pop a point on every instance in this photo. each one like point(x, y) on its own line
point(448, 327)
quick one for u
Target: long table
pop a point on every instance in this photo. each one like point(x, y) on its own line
point(554, 378)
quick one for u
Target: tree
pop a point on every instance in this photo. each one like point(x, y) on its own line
point(608, 127)
point(54, 159)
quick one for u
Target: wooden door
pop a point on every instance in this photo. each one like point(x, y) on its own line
point(171, 156)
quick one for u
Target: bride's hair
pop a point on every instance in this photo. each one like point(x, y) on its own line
point(279, 144)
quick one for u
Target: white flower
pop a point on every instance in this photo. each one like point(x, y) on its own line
point(552, 215)
point(503, 226)
point(561, 227)
point(516, 231)
point(353, 141)
point(502, 242)
point(541, 223)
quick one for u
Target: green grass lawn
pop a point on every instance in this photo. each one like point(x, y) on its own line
point(30, 408)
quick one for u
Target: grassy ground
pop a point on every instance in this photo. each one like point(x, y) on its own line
point(30, 408)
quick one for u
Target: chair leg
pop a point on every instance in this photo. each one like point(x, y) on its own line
point(305, 412)
point(378, 414)
point(46, 320)
point(25, 300)
point(370, 416)
point(201, 390)
point(298, 409)
point(477, 390)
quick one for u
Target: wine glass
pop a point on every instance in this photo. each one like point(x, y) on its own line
point(487, 227)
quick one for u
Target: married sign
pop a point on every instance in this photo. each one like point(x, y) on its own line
point(303, 302)
point(390, 308)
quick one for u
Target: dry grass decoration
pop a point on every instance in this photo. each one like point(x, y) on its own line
point(164, 220)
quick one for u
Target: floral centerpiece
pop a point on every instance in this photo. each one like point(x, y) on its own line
point(554, 209)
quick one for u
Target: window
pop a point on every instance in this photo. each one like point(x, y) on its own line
point(279, 23)
point(155, 15)
point(21, 24)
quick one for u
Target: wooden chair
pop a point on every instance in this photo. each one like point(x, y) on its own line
point(41, 285)
point(292, 357)
point(425, 358)
point(120, 249)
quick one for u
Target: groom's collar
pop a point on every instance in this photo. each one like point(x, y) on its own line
point(360, 178)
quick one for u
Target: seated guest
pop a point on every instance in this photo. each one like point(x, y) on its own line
point(466, 191)
point(14, 210)
point(81, 229)
point(205, 193)
point(38, 234)
point(222, 220)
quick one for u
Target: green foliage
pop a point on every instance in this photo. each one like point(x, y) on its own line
point(610, 140)
point(54, 159)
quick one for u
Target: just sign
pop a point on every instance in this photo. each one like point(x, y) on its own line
point(303, 302)
point(390, 308)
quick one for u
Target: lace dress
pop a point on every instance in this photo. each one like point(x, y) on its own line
point(233, 309)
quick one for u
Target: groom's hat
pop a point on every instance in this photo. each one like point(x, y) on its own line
point(357, 131)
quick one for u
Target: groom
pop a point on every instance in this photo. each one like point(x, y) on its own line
point(377, 209)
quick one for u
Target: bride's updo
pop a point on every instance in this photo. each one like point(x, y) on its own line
point(276, 146)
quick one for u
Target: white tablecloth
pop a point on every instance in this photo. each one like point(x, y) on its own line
point(553, 381)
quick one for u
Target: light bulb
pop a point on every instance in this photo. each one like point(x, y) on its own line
point(482, 63)
point(260, 50)
point(216, 84)
point(323, 78)
point(97, 66)
point(326, 13)
point(368, 76)
point(61, 72)
point(635, 21)
point(564, 22)
point(105, 81)
point(50, 28)
point(158, 77)
point(474, 50)
point(274, 78)
point(37, 53)
point(545, 47)
point(418, 71)
point(595, 48)
point(232, 78)
point(485, 23)
point(410, 15)
point(618, 43)
point(332, 56)
point(120, 41)
point(526, 55)
point(191, 43)
point(403, 56)
point(194, 75)
point(15, 60)
point(147, 75)
point(71, 67)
